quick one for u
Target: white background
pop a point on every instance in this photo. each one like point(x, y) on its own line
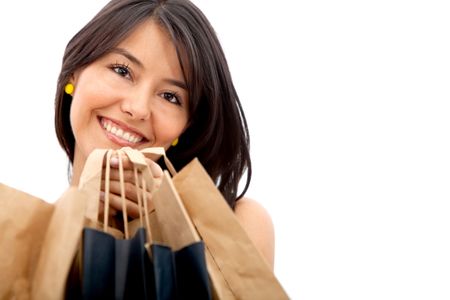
point(347, 103)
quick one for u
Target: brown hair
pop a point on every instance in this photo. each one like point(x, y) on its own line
point(217, 134)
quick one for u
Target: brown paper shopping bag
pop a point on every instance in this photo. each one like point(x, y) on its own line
point(75, 208)
point(37, 243)
point(59, 246)
point(38, 240)
point(23, 222)
point(235, 266)
point(177, 252)
point(233, 258)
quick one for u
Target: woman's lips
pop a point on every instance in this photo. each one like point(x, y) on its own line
point(120, 134)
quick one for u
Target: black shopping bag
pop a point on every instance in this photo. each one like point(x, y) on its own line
point(115, 268)
point(121, 269)
point(180, 274)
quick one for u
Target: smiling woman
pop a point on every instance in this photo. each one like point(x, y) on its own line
point(153, 74)
point(129, 97)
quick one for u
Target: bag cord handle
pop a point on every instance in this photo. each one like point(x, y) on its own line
point(141, 172)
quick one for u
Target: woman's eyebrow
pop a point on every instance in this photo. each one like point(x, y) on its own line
point(178, 83)
point(128, 55)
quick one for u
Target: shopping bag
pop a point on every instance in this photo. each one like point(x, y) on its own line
point(236, 268)
point(23, 222)
point(179, 254)
point(109, 265)
point(60, 244)
point(125, 270)
point(37, 243)
point(115, 268)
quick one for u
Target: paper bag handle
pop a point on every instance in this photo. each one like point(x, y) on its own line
point(140, 167)
point(155, 152)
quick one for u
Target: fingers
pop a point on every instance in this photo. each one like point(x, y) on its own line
point(131, 193)
point(129, 190)
point(155, 169)
point(116, 204)
point(112, 211)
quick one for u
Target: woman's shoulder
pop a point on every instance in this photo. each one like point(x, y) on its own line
point(257, 222)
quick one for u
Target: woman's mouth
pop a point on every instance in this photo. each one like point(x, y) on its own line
point(120, 135)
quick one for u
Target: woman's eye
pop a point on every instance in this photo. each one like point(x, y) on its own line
point(122, 70)
point(171, 97)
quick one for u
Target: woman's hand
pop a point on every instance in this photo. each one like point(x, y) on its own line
point(115, 200)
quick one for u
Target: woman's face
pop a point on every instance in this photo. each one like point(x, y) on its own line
point(133, 96)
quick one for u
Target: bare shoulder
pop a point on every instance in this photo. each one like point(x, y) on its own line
point(257, 222)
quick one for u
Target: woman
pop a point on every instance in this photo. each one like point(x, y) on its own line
point(147, 73)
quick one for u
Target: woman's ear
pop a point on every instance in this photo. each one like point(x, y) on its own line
point(74, 78)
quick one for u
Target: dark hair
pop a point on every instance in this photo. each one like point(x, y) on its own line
point(217, 134)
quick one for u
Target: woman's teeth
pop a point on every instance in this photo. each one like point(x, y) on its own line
point(120, 133)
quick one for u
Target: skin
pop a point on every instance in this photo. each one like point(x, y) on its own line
point(139, 88)
point(257, 222)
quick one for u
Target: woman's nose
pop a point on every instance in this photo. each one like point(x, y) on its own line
point(137, 106)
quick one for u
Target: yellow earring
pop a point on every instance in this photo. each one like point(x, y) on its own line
point(175, 142)
point(69, 89)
